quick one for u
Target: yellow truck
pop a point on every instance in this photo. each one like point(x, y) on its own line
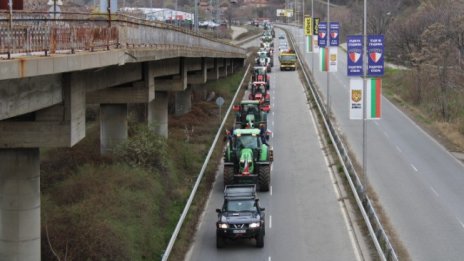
point(287, 60)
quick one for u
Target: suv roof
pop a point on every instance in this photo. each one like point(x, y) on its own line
point(240, 191)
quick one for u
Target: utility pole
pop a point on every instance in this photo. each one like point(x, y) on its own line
point(328, 70)
point(364, 99)
point(195, 20)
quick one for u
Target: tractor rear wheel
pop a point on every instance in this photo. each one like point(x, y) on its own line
point(264, 177)
point(228, 175)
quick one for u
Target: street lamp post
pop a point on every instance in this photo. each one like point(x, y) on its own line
point(328, 70)
point(364, 142)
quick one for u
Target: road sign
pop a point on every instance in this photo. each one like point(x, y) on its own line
point(308, 26)
point(354, 52)
point(316, 26)
point(334, 33)
point(375, 53)
point(322, 36)
point(219, 101)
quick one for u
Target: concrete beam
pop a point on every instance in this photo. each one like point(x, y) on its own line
point(193, 64)
point(109, 76)
point(198, 77)
point(210, 62)
point(183, 102)
point(21, 96)
point(113, 126)
point(61, 125)
point(137, 92)
point(175, 83)
point(158, 114)
point(166, 67)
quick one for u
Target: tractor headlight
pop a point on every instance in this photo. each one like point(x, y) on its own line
point(254, 225)
point(223, 226)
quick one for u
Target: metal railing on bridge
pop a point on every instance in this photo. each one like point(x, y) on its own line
point(35, 32)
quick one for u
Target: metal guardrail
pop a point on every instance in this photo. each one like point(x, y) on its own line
point(28, 32)
point(200, 176)
point(381, 241)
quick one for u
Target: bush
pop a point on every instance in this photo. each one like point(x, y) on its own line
point(144, 148)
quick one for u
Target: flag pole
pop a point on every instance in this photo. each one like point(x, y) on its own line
point(328, 66)
point(364, 159)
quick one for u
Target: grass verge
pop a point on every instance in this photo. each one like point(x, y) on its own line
point(125, 207)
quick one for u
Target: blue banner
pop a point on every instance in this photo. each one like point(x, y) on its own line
point(322, 36)
point(354, 52)
point(375, 53)
point(334, 33)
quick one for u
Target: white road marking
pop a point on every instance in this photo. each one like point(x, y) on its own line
point(385, 133)
point(460, 222)
point(270, 191)
point(398, 148)
point(414, 168)
point(272, 122)
point(434, 191)
point(272, 114)
point(270, 221)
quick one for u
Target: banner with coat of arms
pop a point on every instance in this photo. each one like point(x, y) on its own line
point(356, 101)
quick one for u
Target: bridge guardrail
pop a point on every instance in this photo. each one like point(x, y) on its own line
point(377, 232)
point(29, 32)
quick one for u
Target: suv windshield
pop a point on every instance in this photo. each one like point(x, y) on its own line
point(240, 205)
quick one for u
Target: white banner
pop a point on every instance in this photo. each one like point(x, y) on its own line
point(315, 45)
point(308, 43)
point(356, 95)
point(333, 58)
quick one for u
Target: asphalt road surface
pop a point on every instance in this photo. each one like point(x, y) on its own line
point(418, 182)
point(304, 220)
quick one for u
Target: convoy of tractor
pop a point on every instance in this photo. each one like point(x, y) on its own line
point(248, 155)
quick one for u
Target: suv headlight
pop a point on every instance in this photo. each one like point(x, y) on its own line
point(254, 225)
point(223, 225)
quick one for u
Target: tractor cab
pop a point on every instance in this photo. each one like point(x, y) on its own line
point(260, 75)
point(250, 114)
point(259, 92)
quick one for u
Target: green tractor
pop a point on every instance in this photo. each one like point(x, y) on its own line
point(247, 159)
point(251, 114)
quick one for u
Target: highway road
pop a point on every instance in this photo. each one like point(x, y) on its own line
point(304, 218)
point(418, 182)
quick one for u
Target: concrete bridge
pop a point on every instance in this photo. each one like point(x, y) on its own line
point(56, 68)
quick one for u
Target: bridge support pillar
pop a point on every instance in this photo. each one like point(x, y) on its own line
point(222, 68)
point(158, 114)
point(213, 73)
point(183, 101)
point(113, 126)
point(20, 204)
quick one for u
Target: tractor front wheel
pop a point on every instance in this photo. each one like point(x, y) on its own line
point(228, 175)
point(264, 177)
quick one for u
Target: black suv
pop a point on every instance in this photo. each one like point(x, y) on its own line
point(240, 216)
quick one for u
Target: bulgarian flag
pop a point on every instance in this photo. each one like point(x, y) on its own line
point(324, 59)
point(374, 98)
